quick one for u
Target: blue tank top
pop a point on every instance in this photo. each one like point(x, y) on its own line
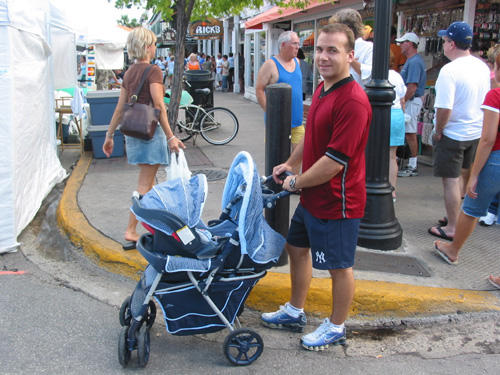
point(294, 79)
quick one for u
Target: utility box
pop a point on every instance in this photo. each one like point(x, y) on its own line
point(97, 134)
point(102, 105)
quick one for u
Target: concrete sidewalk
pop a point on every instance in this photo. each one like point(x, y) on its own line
point(408, 282)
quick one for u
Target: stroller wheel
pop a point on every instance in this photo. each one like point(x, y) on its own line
point(123, 352)
point(125, 315)
point(143, 346)
point(243, 346)
point(150, 314)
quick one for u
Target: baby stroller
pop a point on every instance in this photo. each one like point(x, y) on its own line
point(200, 275)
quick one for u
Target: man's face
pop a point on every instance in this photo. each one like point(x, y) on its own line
point(447, 46)
point(331, 56)
point(289, 49)
point(405, 46)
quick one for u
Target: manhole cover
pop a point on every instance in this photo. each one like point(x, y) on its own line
point(212, 174)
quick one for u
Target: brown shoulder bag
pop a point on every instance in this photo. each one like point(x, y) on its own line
point(139, 120)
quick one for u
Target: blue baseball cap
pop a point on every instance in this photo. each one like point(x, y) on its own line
point(458, 32)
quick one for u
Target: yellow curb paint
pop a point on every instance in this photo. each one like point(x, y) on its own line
point(374, 298)
point(101, 249)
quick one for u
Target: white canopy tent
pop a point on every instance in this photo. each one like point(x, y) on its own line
point(37, 56)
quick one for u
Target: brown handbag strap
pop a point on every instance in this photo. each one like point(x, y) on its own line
point(134, 97)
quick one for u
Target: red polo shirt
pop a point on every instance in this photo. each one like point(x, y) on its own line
point(337, 126)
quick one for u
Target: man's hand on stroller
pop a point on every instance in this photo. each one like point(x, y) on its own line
point(280, 171)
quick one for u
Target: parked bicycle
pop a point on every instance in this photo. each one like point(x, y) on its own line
point(218, 125)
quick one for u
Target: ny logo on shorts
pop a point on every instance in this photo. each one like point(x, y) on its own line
point(320, 257)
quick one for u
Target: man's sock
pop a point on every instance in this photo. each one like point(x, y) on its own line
point(412, 162)
point(336, 328)
point(292, 310)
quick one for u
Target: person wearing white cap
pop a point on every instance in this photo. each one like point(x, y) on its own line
point(415, 79)
point(461, 87)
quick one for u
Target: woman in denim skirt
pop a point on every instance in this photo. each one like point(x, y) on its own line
point(148, 155)
point(484, 181)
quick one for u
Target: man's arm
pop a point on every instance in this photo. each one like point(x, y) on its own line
point(411, 89)
point(442, 117)
point(264, 78)
point(320, 172)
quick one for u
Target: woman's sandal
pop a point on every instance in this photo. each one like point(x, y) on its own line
point(129, 245)
point(443, 222)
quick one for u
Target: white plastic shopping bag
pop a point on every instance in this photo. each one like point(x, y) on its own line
point(178, 167)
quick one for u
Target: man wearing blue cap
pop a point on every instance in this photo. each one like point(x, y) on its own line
point(460, 90)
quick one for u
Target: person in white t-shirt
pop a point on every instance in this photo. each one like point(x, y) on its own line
point(460, 90)
point(218, 71)
point(361, 67)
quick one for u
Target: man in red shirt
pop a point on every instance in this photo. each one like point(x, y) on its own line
point(333, 192)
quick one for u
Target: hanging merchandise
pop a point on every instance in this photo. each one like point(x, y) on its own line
point(486, 27)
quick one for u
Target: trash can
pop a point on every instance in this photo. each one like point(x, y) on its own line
point(200, 79)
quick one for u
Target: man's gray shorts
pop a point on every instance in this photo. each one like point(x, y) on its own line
point(451, 156)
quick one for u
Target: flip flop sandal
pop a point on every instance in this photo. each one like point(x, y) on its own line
point(441, 233)
point(494, 283)
point(444, 257)
point(443, 222)
point(129, 245)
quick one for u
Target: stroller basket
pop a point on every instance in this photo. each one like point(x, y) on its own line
point(187, 313)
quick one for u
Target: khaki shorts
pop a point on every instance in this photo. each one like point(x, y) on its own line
point(451, 156)
point(412, 109)
point(297, 134)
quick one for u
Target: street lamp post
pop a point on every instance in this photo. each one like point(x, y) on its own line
point(379, 228)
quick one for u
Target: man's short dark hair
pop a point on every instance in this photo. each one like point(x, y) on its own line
point(340, 28)
point(462, 46)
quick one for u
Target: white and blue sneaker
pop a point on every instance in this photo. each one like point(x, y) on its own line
point(281, 319)
point(325, 335)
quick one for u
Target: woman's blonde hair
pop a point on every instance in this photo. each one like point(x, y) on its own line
point(138, 40)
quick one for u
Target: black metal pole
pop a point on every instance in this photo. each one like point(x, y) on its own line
point(379, 229)
point(278, 120)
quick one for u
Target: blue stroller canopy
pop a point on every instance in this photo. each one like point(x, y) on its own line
point(257, 238)
point(183, 198)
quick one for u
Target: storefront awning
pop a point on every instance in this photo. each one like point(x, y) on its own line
point(275, 13)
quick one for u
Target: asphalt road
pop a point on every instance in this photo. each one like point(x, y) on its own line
point(61, 317)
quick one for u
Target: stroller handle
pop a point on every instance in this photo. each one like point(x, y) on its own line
point(270, 197)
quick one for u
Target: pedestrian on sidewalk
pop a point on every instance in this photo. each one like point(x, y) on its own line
point(361, 66)
point(397, 137)
point(225, 73)
point(333, 192)
point(415, 78)
point(484, 180)
point(460, 90)
point(284, 68)
point(148, 155)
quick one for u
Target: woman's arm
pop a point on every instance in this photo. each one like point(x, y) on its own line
point(156, 90)
point(108, 144)
point(488, 137)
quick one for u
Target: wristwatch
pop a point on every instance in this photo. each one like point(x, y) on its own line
point(292, 182)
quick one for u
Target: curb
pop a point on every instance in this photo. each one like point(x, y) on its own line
point(372, 299)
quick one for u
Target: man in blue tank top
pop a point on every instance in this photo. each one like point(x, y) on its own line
point(285, 68)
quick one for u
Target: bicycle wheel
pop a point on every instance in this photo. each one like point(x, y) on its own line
point(219, 126)
point(184, 124)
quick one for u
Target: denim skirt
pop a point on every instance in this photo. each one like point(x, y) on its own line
point(154, 151)
point(488, 187)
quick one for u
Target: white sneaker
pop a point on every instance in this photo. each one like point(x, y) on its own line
point(488, 220)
